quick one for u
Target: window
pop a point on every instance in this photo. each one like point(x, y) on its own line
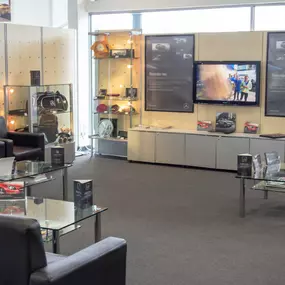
point(112, 22)
point(194, 21)
point(269, 18)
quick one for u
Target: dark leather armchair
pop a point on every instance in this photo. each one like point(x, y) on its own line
point(24, 146)
point(24, 261)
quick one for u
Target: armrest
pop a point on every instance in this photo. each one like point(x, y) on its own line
point(103, 263)
point(8, 144)
point(2, 149)
point(27, 139)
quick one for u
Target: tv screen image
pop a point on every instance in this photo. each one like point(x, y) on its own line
point(232, 83)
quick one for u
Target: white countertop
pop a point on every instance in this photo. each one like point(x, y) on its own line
point(195, 132)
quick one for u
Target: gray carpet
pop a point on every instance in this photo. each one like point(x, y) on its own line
point(182, 225)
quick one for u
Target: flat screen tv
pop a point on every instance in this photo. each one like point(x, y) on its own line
point(227, 83)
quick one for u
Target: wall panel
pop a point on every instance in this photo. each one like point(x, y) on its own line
point(58, 56)
point(241, 46)
point(59, 60)
point(2, 68)
point(24, 53)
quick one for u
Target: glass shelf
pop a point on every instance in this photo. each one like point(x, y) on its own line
point(116, 99)
point(96, 137)
point(118, 114)
point(116, 58)
point(108, 33)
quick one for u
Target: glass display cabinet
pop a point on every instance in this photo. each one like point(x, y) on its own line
point(44, 109)
point(116, 89)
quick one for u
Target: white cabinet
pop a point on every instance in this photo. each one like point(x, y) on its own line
point(170, 148)
point(197, 149)
point(228, 149)
point(201, 150)
point(141, 146)
point(260, 146)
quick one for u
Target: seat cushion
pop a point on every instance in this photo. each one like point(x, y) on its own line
point(26, 153)
point(51, 257)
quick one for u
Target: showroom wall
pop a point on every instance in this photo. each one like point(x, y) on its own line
point(31, 12)
point(98, 6)
point(25, 48)
point(239, 46)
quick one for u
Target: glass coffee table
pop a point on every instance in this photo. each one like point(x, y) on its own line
point(56, 218)
point(267, 179)
point(33, 173)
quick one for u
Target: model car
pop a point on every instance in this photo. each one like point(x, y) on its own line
point(250, 128)
point(203, 124)
point(11, 189)
point(225, 123)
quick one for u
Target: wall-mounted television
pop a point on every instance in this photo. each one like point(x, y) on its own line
point(227, 83)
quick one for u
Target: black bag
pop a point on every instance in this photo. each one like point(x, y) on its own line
point(49, 126)
point(53, 101)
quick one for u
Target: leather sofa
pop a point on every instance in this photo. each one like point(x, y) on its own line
point(24, 146)
point(23, 260)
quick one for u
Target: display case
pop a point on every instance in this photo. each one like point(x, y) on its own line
point(116, 89)
point(44, 109)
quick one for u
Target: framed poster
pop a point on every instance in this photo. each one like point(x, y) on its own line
point(169, 69)
point(275, 75)
point(5, 10)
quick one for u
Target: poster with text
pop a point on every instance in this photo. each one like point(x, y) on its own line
point(5, 10)
point(275, 79)
point(169, 73)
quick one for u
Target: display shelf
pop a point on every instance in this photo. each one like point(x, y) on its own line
point(116, 114)
point(110, 32)
point(116, 99)
point(116, 67)
point(116, 58)
point(97, 137)
point(44, 109)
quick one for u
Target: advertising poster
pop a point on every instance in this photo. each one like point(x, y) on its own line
point(12, 190)
point(169, 73)
point(5, 10)
point(275, 84)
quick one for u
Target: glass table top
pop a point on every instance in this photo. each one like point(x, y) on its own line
point(273, 173)
point(24, 169)
point(51, 214)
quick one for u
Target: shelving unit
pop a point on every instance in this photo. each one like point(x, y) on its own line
point(39, 109)
point(116, 89)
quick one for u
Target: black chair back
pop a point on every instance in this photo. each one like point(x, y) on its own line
point(22, 250)
point(3, 128)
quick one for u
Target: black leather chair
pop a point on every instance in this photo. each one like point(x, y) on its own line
point(23, 260)
point(24, 146)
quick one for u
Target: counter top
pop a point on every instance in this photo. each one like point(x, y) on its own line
point(204, 133)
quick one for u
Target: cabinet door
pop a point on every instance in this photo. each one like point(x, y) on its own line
point(141, 146)
point(170, 148)
point(201, 150)
point(260, 146)
point(228, 150)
